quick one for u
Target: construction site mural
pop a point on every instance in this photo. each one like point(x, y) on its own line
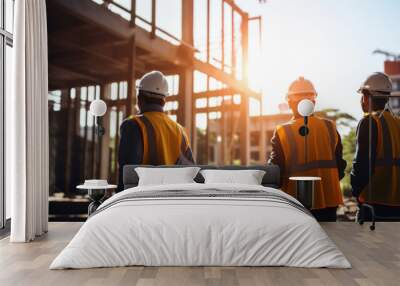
point(224, 70)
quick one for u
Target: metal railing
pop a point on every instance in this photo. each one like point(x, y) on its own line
point(152, 23)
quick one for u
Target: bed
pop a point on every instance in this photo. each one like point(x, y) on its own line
point(197, 224)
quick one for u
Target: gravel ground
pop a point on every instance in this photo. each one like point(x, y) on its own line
point(347, 212)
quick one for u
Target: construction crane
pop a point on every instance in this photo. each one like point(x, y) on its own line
point(389, 55)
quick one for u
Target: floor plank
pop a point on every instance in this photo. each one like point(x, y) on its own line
point(375, 257)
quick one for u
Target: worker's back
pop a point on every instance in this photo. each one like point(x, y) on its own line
point(385, 182)
point(164, 140)
point(322, 140)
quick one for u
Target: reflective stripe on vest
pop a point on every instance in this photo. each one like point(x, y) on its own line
point(384, 187)
point(387, 159)
point(321, 162)
point(151, 140)
point(164, 141)
point(294, 166)
point(387, 144)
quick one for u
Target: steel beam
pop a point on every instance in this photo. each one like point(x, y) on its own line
point(234, 6)
point(214, 93)
point(209, 109)
point(77, 46)
point(224, 78)
point(79, 72)
point(87, 10)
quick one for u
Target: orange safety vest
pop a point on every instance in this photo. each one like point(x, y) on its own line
point(322, 140)
point(385, 181)
point(164, 141)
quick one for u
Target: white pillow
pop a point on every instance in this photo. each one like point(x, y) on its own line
point(248, 177)
point(163, 176)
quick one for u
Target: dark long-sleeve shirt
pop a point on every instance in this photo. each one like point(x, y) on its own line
point(130, 150)
point(277, 156)
point(359, 176)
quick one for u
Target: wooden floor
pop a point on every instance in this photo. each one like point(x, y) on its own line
point(375, 257)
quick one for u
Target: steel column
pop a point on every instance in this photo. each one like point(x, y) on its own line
point(244, 112)
point(223, 35)
point(185, 114)
point(153, 18)
point(133, 13)
point(105, 140)
point(132, 76)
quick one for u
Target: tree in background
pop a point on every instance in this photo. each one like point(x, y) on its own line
point(344, 121)
point(349, 149)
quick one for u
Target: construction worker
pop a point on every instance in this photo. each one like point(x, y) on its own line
point(383, 191)
point(324, 149)
point(152, 137)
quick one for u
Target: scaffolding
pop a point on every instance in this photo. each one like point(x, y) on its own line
point(99, 49)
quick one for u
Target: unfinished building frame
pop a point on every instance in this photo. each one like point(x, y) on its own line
point(99, 49)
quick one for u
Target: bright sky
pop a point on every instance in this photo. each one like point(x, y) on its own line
point(329, 42)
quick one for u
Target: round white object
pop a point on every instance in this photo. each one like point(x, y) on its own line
point(98, 108)
point(305, 178)
point(305, 107)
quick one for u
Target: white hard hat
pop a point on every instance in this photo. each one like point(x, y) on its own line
point(155, 83)
point(379, 84)
point(301, 87)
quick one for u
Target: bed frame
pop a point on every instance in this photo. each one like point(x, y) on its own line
point(270, 179)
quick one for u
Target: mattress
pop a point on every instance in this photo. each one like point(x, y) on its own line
point(201, 225)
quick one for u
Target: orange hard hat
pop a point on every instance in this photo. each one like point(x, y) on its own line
point(301, 88)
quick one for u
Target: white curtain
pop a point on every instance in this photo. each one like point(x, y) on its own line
point(27, 121)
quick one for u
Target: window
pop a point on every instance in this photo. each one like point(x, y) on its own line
point(6, 61)
point(396, 84)
point(255, 156)
point(255, 138)
point(268, 136)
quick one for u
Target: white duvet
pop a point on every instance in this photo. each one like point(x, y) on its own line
point(200, 231)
